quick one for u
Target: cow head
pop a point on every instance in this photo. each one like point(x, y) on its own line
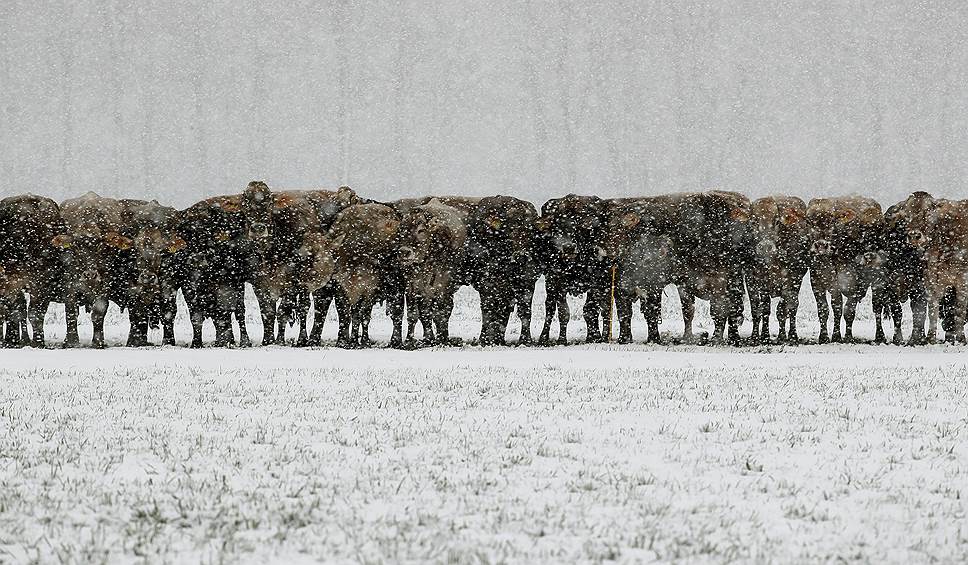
point(425, 237)
point(316, 260)
point(256, 206)
point(572, 226)
point(87, 254)
point(771, 222)
point(621, 227)
point(153, 250)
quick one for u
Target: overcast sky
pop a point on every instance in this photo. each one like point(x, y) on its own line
point(187, 99)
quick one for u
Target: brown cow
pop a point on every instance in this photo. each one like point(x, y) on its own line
point(780, 261)
point(906, 226)
point(94, 252)
point(946, 271)
point(277, 223)
point(215, 267)
point(639, 243)
point(846, 257)
point(432, 241)
point(149, 279)
point(28, 263)
point(714, 244)
point(359, 255)
point(570, 230)
point(502, 263)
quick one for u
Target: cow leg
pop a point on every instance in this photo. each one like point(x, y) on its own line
point(442, 317)
point(486, 316)
point(525, 299)
point(136, 321)
point(284, 316)
point(791, 304)
point(413, 316)
point(718, 309)
point(932, 297)
point(168, 312)
point(197, 320)
point(364, 312)
point(823, 312)
point(321, 301)
point(958, 316)
point(345, 312)
point(396, 317)
point(70, 313)
point(755, 313)
point(267, 308)
point(850, 310)
point(837, 306)
point(564, 315)
point(36, 313)
point(688, 301)
point(592, 312)
point(239, 311)
point(623, 309)
point(98, 311)
point(552, 300)
point(652, 310)
point(880, 304)
point(919, 307)
point(223, 329)
point(897, 314)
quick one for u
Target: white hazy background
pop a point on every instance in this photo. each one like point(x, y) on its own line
point(180, 100)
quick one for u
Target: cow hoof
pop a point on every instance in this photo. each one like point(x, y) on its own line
point(454, 342)
point(525, 342)
point(70, 344)
point(395, 344)
point(195, 345)
point(170, 342)
point(562, 341)
point(823, 339)
point(836, 338)
point(314, 342)
point(624, 340)
point(97, 345)
point(301, 343)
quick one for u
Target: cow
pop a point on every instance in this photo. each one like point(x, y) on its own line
point(638, 243)
point(569, 231)
point(29, 263)
point(714, 244)
point(358, 254)
point(150, 277)
point(215, 267)
point(432, 244)
point(780, 261)
point(502, 264)
point(905, 241)
point(946, 272)
point(846, 258)
point(94, 257)
point(276, 226)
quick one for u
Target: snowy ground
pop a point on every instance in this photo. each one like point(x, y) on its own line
point(485, 454)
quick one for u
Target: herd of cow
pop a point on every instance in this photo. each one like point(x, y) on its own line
point(294, 247)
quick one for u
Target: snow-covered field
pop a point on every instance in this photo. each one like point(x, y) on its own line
point(591, 453)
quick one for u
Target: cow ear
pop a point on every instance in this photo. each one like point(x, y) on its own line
point(846, 216)
point(494, 222)
point(790, 216)
point(739, 215)
point(590, 223)
point(175, 245)
point(223, 236)
point(63, 241)
point(630, 220)
point(118, 241)
point(543, 223)
point(337, 241)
